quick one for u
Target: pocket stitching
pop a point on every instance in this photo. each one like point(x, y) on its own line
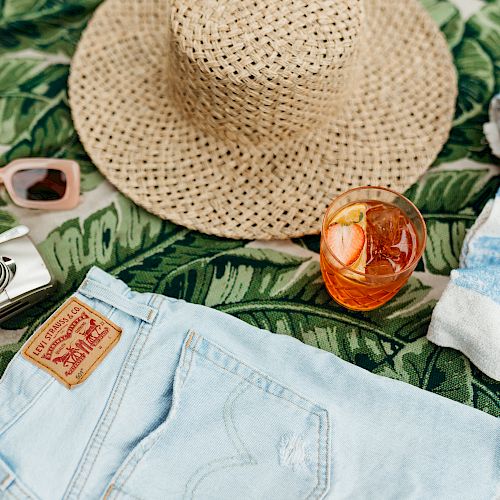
point(141, 332)
point(262, 375)
point(249, 458)
point(23, 489)
point(18, 485)
point(322, 484)
point(138, 459)
point(322, 414)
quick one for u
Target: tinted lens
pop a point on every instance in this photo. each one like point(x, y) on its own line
point(39, 184)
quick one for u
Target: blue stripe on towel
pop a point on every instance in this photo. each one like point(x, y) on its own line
point(485, 280)
point(484, 251)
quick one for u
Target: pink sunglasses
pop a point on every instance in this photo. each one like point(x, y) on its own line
point(42, 183)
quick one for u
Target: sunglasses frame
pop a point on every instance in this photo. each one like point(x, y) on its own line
point(70, 168)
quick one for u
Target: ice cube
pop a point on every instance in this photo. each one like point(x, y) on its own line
point(390, 239)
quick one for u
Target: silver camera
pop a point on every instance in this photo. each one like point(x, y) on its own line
point(24, 277)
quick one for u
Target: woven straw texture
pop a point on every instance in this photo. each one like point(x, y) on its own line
point(245, 118)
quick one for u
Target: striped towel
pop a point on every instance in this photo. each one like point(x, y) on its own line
point(467, 317)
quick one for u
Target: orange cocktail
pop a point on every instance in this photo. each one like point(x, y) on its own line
point(371, 241)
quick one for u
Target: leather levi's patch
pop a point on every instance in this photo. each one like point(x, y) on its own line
point(72, 342)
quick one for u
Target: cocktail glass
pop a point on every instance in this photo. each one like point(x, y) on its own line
point(371, 241)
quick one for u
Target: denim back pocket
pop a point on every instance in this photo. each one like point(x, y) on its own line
point(232, 432)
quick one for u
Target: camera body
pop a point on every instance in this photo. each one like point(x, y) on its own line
point(32, 280)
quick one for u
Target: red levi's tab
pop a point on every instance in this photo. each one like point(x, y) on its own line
point(72, 342)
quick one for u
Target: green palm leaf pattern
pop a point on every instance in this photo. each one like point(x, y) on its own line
point(476, 80)
point(276, 286)
point(477, 58)
point(448, 18)
point(53, 26)
point(484, 27)
point(450, 201)
point(438, 370)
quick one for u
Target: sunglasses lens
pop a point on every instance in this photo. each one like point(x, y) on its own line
point(39, 184)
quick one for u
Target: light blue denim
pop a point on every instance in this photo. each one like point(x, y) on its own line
point(194, 403)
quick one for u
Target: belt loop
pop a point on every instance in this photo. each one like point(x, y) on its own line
point(96, 290)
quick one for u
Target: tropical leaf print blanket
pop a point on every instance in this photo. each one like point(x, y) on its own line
point(274, 285)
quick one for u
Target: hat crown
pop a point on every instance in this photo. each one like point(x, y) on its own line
point(263, 70)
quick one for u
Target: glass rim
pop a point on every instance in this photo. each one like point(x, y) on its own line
point(418, 255)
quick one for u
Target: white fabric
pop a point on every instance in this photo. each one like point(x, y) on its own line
point(492, 128)
point(467, 317)
point(469, 322)
point(493, 136)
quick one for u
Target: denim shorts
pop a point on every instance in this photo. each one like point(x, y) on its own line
point(194, 403)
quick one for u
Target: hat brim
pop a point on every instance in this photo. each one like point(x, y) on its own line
point(391, 129)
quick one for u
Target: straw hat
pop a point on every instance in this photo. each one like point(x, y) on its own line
point(244, 118)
